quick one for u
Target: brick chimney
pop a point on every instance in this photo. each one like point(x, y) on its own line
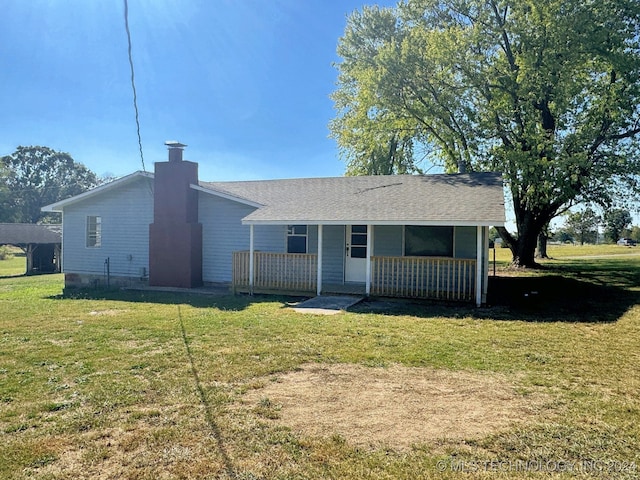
point(175, 236)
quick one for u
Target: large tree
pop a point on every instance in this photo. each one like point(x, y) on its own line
point(547, 93)
point(616, 221)
point(38, 176)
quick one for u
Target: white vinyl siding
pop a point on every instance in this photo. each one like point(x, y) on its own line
point(333, 254)
point(223, 233)
point(125, 214)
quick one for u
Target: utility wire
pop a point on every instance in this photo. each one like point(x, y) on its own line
point(133, 82)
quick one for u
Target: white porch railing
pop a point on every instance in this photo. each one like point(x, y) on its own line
point(292, 272)
point(409, 277)
point(423, 277)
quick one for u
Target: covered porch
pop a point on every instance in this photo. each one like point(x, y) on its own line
point(364, 270)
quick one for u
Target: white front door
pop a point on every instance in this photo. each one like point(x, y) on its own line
point(355, 267)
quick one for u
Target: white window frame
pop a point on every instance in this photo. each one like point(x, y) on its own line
point(292, 232)
point(94, 231)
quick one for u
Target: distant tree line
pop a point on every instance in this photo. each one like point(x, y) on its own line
point(584, 227)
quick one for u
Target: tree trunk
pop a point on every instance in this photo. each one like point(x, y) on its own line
point(523, 247)
point(543, 237)
point(541, 249)
point(524, 252)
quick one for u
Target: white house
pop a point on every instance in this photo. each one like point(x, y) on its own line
point(418, 236)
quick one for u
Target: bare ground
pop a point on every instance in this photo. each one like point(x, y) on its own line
point(394, 407)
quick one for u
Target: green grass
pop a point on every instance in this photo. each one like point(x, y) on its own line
point(503, 255)
point(15, 264)
point(149, 385)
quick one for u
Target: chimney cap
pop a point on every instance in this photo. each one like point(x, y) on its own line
point(174, 144)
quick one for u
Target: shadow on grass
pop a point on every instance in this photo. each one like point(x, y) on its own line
point(590, 292)
point(206, 403)
point(198, 300)
point(13, 275)
point(31, 274)
point(573, 291)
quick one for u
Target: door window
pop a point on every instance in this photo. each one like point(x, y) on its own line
point(358, 241)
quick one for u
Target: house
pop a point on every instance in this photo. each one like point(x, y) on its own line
point(40, 243)
point(422, 236)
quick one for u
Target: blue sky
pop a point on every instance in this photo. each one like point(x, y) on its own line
point(245, 83)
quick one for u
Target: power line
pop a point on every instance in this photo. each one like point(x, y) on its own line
point(133, 82)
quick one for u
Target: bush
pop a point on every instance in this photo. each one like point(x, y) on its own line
point(5, 252)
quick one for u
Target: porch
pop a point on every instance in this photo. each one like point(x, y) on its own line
point(390, 276)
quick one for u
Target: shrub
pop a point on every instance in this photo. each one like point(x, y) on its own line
point(5, 252)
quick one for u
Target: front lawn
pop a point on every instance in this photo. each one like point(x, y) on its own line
point(153, 385)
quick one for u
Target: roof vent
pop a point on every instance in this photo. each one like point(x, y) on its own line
point(175, 150)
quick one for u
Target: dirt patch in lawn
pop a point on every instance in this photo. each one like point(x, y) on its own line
point(394, 407)
point(106, 313)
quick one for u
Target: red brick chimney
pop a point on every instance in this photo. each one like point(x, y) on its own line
point(175, 236)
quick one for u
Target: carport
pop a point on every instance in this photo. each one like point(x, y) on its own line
point(40, 243)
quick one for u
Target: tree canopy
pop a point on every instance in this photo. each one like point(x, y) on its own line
point(616, 222)
point(582, 225)
point(547, 93)
point(37, 176)
point(5, 196)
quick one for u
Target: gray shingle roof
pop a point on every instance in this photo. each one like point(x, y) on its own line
point(460, 199)
point(25, 233)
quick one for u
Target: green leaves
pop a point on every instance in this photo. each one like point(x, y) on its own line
point(38, 176)
point(615, 223)
point(548, 93)
point(582, 225)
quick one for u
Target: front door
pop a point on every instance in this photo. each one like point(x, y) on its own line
point(355, 268)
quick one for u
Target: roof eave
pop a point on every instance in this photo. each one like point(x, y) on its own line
point(430, 223)
point(59, 206)
point(226, 196)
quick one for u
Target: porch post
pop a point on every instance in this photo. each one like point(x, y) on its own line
point(319, 279)
point(369, 252)
point(57, 251)
point(479, 256)
point(485, 265)
point(251, 265)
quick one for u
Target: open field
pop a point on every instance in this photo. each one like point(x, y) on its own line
point(559, 252)
point(15, 265)
point(152, 385)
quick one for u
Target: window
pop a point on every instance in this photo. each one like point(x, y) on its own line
point(428, 241)
point(297, 239)
point(94, 231)
point(358, 241)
